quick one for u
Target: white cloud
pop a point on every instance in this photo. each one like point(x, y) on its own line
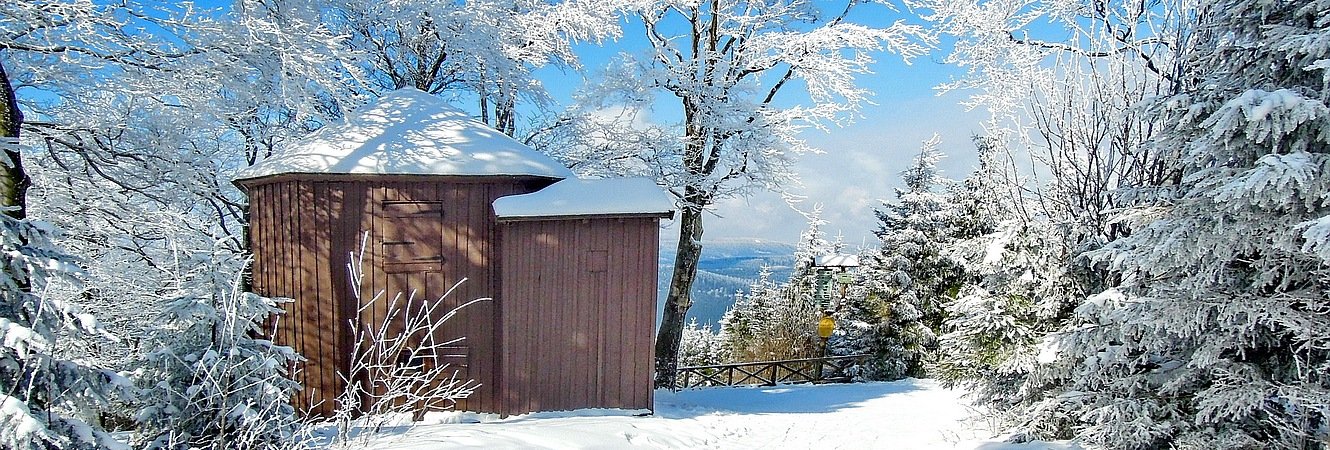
point(860, 167)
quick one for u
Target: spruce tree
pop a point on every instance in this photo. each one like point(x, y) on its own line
point(908, 280)
point(209, 380)
point(45, 399)
point(1217, 336)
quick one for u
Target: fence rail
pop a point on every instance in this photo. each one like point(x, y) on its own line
point(830, 369)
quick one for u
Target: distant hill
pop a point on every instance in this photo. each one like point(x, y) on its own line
point(727, 266)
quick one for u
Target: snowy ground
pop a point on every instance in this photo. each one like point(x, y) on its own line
point(907, 414)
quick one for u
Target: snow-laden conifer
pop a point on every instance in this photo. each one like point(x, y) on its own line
point(701, 346)
point(770, 322)
point(908, 279)
point(46, 401)
point(209, 378)
point(1219, 334)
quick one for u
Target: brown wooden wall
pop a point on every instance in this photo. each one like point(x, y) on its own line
point(425, 234)
point(578, 313)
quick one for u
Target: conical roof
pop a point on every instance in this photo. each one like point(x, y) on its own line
point(408, 132)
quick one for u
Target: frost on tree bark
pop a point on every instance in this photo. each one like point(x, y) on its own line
point(13, 180)
point(680, 297)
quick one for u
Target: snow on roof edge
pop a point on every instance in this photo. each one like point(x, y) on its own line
point(574, 197)
point(837, 260)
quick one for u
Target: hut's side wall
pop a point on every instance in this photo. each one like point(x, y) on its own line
point(578, 313)
point(424, 236)
point(295, 227)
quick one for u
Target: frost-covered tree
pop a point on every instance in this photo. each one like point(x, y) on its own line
point(896, 311)
point(701, 346)
point(771, 322)
point(910, 267)
point(46, 400)
point(139, 112)
point(725, 66)
point(992, 324)
point(488, 50)
point(779, 321)
point(1064, 79)
point(812, 244)
point(1011, 297)
point(208, 379)
point(1217, 335)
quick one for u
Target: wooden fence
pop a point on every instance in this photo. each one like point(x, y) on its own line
point(769, 373)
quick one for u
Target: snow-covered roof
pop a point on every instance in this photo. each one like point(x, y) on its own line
point(837, 260)
point(577, 197)
point(408, 132)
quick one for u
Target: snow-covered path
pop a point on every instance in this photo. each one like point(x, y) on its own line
point(906, 414)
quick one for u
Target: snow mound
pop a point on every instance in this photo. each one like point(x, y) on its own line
point(408, 132)
point(578, 197)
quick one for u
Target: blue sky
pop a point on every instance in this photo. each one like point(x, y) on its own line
point(861, 162)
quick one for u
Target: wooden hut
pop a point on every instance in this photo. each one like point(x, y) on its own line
point(416, 179)
point(579, 261)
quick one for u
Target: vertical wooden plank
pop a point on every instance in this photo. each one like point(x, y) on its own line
point(500, 308)
point(647, 315)
point(613, 343)
point(304, 306)
point(514, 300)
point(557, 340)
point(595, 300)
point(346, 241)
point(356, 223)
point(284, 264)
point(478, 315)
point(531, 309)
point(318, 241)
point(579, 363)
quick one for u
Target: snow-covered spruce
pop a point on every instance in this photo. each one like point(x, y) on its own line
point(907, 281)
point(778, 321)
point(770, 322)
point(46, 402)
point(701, 346)
point(1219, 335)
point(208, 380)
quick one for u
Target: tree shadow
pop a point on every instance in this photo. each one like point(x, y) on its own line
point(781, 399)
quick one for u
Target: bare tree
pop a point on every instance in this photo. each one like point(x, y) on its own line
point(397, 368)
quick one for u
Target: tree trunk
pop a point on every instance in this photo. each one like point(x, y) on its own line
point(13, 180)
point(680, 297)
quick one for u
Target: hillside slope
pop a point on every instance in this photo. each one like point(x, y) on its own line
point(726, 268)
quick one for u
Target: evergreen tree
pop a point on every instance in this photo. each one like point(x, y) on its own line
point(909, 278)
point(44, 399)
point(1217, 335)
point(701, 346)
point(208, 380)
point(770, 322)
point(989, 326)
point(913, 232)
point(773, 321)
point(812, 244)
